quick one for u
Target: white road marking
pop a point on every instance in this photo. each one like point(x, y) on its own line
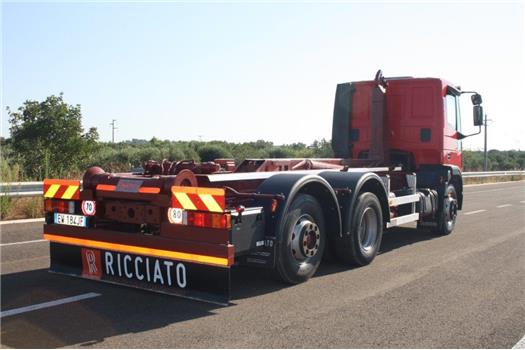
point(522, 201)
point(494, 190)
point(504, 206)
point(520, 344)
point(23, 242)
point(29, 308)
point(494, 183)
point(23, 221)
point(475, 212)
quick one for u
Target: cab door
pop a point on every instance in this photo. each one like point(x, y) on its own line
point(452, 125)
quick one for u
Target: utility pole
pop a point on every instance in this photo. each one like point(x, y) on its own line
point(113, 128)
point(485, 162)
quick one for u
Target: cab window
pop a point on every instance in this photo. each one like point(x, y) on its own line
point(451, 106)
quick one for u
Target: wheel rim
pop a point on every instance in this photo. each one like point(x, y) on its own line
point(368, 229)
point(306, 238)
point(451, 209)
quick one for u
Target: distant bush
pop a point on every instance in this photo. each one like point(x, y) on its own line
point(281, 152)
point(210, 152)
point(126, 155)
point(497, 160)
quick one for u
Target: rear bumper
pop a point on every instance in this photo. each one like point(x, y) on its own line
point(188, 280)
point(194, 270)
point(194, 251)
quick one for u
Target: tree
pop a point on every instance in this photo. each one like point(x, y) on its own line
point(210, 152)
point(281, 152)
point(47, 137)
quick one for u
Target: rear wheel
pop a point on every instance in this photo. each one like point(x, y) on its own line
point(446, 220)
point(362, 243)
point(302, 241)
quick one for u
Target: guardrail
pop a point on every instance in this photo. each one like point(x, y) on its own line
point(21, 189)
point(494, 173)
point(31, 189)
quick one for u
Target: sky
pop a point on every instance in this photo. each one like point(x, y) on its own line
point(238, 71)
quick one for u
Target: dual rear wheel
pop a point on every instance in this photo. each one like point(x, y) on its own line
point(303, 239)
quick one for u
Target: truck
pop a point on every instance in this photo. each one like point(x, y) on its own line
point(179, 227)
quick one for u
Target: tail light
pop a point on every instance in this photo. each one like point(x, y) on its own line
point(60, 206)
point(222, 221)
point(203, 219)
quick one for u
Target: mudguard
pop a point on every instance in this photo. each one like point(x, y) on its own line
point(289, 185)
point(353, 183)
point(437, 176)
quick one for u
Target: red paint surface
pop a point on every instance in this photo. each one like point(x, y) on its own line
point(411, 104)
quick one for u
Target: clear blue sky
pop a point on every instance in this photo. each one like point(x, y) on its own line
point(239, 72)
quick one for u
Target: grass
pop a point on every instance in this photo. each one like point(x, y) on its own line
point(8, 174)
point(23, 208)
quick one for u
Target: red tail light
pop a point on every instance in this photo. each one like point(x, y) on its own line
point(196, 219)
point(202, 219)
point(60, 206)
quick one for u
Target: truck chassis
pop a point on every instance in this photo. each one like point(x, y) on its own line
point(179, 227)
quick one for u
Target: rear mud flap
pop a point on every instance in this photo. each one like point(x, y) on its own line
point(188, 280)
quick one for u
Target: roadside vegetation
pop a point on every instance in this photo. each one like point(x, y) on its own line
point(48, 140)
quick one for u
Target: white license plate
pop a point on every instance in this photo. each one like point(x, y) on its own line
point(71, 220)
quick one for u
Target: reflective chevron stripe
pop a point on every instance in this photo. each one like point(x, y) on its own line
point(198, 198)
point(61, 189)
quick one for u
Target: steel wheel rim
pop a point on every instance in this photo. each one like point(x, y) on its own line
point(451, 208)
point(306, 238)
point(368, 229)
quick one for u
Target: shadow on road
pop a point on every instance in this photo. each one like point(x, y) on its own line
point(398, 237)
point(122, 310)
point(118, 311)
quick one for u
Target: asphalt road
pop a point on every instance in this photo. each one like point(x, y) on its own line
point(462, 290)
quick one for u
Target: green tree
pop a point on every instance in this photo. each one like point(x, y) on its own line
point(48, 139)
point(210, 152)
point(281, 152)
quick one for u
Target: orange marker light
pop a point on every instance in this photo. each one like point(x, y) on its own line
point(274, 205)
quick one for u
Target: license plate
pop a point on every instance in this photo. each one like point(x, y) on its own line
point(71, 220)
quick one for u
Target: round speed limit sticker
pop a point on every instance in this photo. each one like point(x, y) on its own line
point(89, 208)
point(175, 215)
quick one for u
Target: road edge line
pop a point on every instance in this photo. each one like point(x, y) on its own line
point(520, 344)
point(48, 304)
point(23, 242)
point(21, 221)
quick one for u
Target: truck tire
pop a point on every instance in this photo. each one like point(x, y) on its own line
point(302, 241)
point(446, 220)
point(361, 245)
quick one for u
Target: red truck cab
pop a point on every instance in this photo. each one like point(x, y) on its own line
point(422, 120)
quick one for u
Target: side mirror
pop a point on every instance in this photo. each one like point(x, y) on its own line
point(478, 114)
point(476, 99)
